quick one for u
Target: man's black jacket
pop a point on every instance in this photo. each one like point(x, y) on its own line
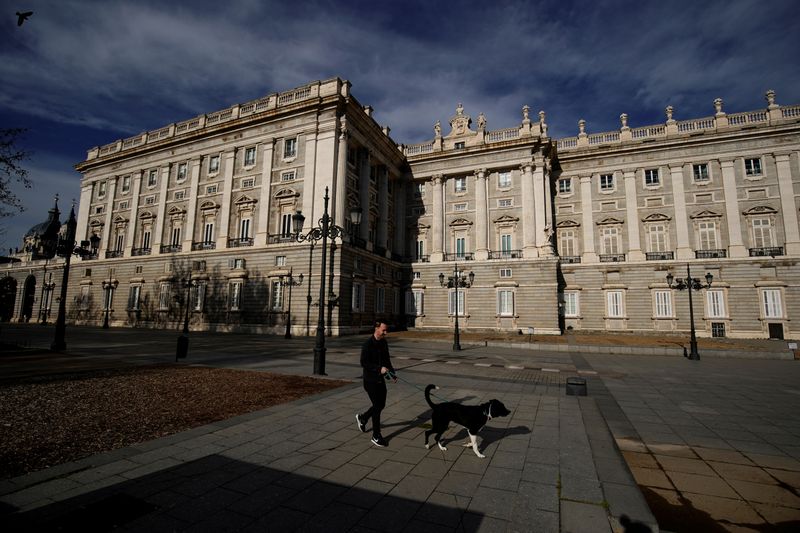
point(374, 355)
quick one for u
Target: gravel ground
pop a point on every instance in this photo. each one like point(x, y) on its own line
point(49, 421)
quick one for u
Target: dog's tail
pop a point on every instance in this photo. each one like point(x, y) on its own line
point(428, 390)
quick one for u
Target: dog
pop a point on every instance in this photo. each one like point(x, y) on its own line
point(472, 417)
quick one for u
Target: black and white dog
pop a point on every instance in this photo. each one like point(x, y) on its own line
point(472, 417)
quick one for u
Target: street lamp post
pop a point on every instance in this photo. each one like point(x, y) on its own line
point(458, 280)
point(290, 281)
point(109, 286)
point(690, 284)
point(183, 339)
point(47, 294)
point(323, 231)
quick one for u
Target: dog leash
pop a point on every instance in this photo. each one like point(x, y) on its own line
point(393, 375)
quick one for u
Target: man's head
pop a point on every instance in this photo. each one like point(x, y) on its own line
point(381, 330)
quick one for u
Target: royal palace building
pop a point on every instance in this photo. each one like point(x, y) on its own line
point(503, 229)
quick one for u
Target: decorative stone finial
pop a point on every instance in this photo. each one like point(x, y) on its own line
point(582, 127)
point(718, 105)
point(526, 114)
point(542, 123)
point(668, 112)
point(437, 129)
point(623, 120)
point(770, 96)
point(460, 109)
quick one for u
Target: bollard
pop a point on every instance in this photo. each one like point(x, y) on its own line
point(183, 348)
point(576, 387)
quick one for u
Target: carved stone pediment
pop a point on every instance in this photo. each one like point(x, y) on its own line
point(208, 205)
point(610, 221)
point(706, 214)
point(175, 210)
point(146, 215)
point(119, 220)
point(760, 210)
point(95, 222)
point(244, 199)
point(656, 217)
point(567, 224)
point(506, 219)
point(460, 222)
point(287, 193)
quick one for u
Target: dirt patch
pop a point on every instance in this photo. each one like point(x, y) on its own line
point(53, 420)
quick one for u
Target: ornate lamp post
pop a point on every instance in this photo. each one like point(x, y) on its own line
point(290, 281)
point(109, 286)
point(323, 231)
point(183, 340)
point(47, 294)
point(690, 284)
point(458, 280)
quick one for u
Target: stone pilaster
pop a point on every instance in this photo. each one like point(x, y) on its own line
point(363, 189)
point(736, 246)
point(227, 193)
point(133, 224)
point(546, 205)
point(111, 191)
point(399, 246)
point(788, 206)
point(529, 213)
point(82, 231)
point(632, 214)
point(684, 250)
point(191, 208)
point(340, 213)
point(265, 197)
point(158, 236)
point(481, 217)
point(589, 254)
point(437, 254)
point(383, 207)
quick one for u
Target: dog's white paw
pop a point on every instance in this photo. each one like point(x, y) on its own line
point(427, 446)
point(467, 444)
point(480, 455)
point(442, 448)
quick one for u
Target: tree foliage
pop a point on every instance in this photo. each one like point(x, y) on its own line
point(11, 170)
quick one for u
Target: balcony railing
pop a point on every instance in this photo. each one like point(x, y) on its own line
point(141, 251)
point(570, 259)
point(169, 248)
point(459, 257)
point(422, 258)
point(710, 254)
point(505, 254)
point(771, 251)
point(240, 242)
point(659, 256)
point(612, 258)
point(280, 237)
point(110, 254)
point(210, 245)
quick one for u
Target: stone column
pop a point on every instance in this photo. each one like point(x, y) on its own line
point(191, 209)
point(481, 217)
point(548, 230)
point(265, 196)
point(363, 190)
point(383, 207)
point(227, 193)
point(437, 254)
point(110, 193)
point(340, 214)
point(589, 254)
point(539, 194)
point(736, 246)
point(133, 224)
point(632, 214)
point(684, 251)
point(529, 249)
point(158, 236)
point(788, 206)
point(399, 246)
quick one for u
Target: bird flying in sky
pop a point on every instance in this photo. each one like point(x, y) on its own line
point(22, 17)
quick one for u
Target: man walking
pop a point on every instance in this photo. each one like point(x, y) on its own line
point(377, 367)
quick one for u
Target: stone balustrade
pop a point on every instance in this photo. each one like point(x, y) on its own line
point(238, 111)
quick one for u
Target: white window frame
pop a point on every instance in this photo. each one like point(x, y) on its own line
point(451, 302)
point(211, 189)
point(505, 202)
point(715, 304)
point(772, 304)
point(290, 148)
point(763, 232)
point(213, 164)
point(101, 189)
point(358, 299)
point(610, 240)
point(662, 304)
point(565, 186)
point(571, 301)
point(460, 184)
point(126, 184)
point(567, 243)
point(280, 260)
point(197, 296)
point(615, 304)
point(706, 229)
point(289, 175)
point(505, 303)
point(607, 183)
point(152, 179)
point(701, 173)
point(164, 295)
point(208, 232)
point(182, 172)
point(179, 195)
point(460, 206)
point(134, 297)
point(248, 183)
point(85, 298)
point(415, 299)
point(657, 237)
point(235, 295)
point(505, 273)
point(150, 200)
point(276, 295)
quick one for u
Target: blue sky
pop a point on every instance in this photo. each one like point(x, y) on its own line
point(83, 73)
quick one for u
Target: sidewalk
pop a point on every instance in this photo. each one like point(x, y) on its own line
point(551, 466)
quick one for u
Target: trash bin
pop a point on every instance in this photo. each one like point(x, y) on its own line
point(183, 347)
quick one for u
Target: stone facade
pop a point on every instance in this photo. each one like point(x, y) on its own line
point(575, 233)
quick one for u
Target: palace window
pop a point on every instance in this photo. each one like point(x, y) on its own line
point(164, 295)
point(663, 303)
point(451, 304)
point(126, 184)
point(609, 239)
point(657, 237)
point(179, 195)
point(771, 303)
point(614, 304)
point(506, 243)
point(414, 301)
point(700, 172)
point(181, 172)
point(571, 304)
point(244, 228)
point(505, 302)
point(250, 156)
point(276, 302)
point(505, 272)
point(565, 186)
point(235, 295)
point(288, 176)
point(715, 304)
point(420, 249)
point(358, 302)
point(460, 184)
point(208, 232)
point(248, 183)
point(707, 235)
point(505, 202)
point(133, 297)
point(460, 207)
point(213, 164)
point(280, 260)
point(752, 167)
point(567, 244)
point(211, 189)
point(504, 180)
point(85, 298)
point(149, 200)
point(197, 295)
point(123, 205)
point(762, 232)
point(290, 147)
point(152, 178)
point(651, 177)
point(606, 182)
point(380, 299)
point(101, 189)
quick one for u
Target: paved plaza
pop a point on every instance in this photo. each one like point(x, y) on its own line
point(714, 444)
